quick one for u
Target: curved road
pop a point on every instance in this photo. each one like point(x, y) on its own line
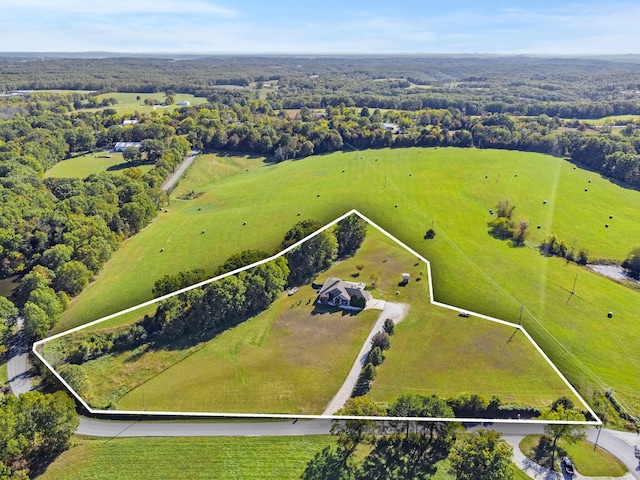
point(624, 445)
point(17, 364)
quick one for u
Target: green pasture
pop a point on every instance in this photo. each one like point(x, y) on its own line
point(187, 457)
point(84, 165)
point(293, 359)
point(612, 120)
point(129, 103)
point(447, 188)
point(588, 461)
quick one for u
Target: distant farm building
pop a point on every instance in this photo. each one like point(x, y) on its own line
point(126, 123)
point(339, 293)
point(122, 146)
point(183, 103)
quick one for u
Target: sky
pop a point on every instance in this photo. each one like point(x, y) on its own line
point(329, 26)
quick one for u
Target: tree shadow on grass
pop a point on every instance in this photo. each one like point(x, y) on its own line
point(125, 165)
point(329, 309)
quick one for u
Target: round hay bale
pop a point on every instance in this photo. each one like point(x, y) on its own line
point(610, 315)
point(491, 212)
point(244, 223)
point(161, 250)
point(317, 195)
point(539, 226)
point(298, 214)
point(486, 176)
point(396, 205)
point(202, 231)
point(586, 189)
point(589, 181)
point(606, 225)
point(516, 175)
point(610, 217)
point(544, 202)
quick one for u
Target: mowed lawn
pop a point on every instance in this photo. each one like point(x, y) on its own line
point(286, 360)
point(451, 189)
point(187, 457)
point(84, 165)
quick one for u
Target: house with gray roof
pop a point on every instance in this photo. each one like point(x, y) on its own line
point(340, 293)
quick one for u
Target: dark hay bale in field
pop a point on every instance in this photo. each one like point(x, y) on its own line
point(298, 214)
point(610, 315)
point(317, 195)
point(544, 202)
point(539, 226)
point(491, 212)
point(244, 223)
point(199, 209)
point(610, 217)
point(486, 176)
point(589, 181)
point(606, 225)
point(516, 175)
point(202, 231)
point(586, 189)
point(161, 250)
point(409, 174)
point(396, 205)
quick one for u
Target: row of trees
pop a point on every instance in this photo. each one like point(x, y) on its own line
point(199, 314)
point(411, 449)
point(407, 449)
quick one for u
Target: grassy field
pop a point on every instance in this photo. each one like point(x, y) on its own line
point(84, 165)
point(451, 189)
point(190, 457)
point(128, 102)
point(292, 358)
point(587, 461)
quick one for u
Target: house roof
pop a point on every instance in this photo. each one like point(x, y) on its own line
point(334, 287)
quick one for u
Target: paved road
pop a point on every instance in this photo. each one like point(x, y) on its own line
point(395, 311)
point(181, 169)
point(620, 444)
point(624, 445)
point(102, 428)
point(17, 363)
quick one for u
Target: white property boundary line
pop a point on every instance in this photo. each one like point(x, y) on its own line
point(37, 344)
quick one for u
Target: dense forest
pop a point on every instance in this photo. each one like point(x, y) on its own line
point(57, 233)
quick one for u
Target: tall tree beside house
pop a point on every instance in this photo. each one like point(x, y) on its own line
point(311, 257)
point(350, 233)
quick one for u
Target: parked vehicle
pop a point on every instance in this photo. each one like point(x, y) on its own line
point(567, 465)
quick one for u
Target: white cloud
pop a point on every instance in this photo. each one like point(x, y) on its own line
point(71, 8)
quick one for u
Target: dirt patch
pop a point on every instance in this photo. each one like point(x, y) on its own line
point(616, 272)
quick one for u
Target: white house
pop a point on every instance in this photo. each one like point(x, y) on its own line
point(122, 146)
point(343, 294)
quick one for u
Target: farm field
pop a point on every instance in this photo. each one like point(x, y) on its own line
point(451, 189)
point(84, 165)
point(191, 457)
point(294, 357)
point(128, 102)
